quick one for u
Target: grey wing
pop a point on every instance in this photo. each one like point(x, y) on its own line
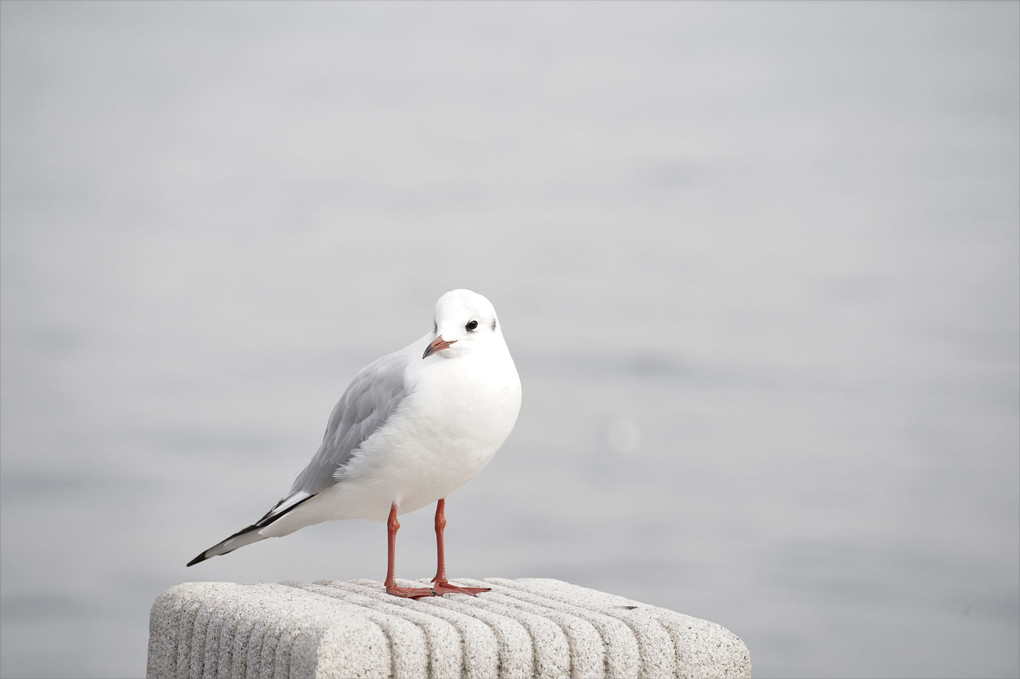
point(372, 397)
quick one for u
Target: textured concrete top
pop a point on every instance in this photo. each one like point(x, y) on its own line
point(522, 628)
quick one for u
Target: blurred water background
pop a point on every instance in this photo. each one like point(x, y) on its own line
point(758, 265)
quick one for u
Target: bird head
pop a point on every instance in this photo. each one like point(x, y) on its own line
point(464, 322)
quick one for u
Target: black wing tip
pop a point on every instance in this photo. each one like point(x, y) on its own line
point(198, 559)
point(261, 523)
point(211, 552)
point(270, 517)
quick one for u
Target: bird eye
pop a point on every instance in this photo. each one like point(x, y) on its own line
point(470, 327)
point(435, 327)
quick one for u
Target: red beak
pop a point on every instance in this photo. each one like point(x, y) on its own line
point(438, 344)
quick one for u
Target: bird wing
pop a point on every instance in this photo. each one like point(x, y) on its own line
point(373, 396)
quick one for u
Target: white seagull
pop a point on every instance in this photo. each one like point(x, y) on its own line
point(412, 427)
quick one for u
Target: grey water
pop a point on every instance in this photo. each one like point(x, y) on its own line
point(757, 263)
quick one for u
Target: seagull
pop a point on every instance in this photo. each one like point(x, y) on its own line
point(412, 427)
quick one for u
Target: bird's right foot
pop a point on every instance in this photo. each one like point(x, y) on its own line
point(409, 592)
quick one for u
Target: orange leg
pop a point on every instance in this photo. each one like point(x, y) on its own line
point(442, 585)
point(391, 584)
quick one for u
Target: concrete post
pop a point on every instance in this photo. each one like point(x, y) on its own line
point(522, 628)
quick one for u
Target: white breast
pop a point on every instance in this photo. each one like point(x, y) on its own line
point(456, 416)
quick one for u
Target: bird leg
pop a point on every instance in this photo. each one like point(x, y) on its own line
point(391, 584)
point(442, 585)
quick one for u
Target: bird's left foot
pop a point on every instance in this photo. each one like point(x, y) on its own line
point(441, 587)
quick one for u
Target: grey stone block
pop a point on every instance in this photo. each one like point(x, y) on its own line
point(522, 628)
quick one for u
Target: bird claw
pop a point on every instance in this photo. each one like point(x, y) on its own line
point(410, 592)
point(444, 587)
point(437, 589)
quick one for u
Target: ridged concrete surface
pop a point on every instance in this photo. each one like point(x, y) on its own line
point(522, 628)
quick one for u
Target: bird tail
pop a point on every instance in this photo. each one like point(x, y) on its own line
point(238, 539)
point(251, 534)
